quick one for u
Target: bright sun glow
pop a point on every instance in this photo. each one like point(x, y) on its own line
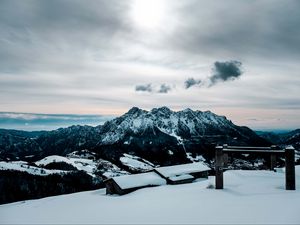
point(148, 14)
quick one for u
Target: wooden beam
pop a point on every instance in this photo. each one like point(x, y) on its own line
point(247, 147)
point(242, 151)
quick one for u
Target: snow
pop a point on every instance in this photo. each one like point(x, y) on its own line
point(24, 167)
point(139, 180)
point(165, 120)
point(248, 197)
point(136, 163)
point(170, 152)
point(197, 158)
point(90, 166)
point(83, 154)
point(51, 159)
point(181, 177)
point(87, 165)
point(171, 171)
point(109, 169)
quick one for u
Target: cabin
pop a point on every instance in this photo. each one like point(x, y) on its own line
point(178, 174)
point(184, 173)
point(125, 184)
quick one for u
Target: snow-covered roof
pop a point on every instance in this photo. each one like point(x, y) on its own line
point(139, 180)
point(181, 177)
point(172, 171)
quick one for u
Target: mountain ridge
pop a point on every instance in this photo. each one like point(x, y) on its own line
point(183, 131)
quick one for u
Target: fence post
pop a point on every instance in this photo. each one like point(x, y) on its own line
point(273, 158)
point(290, 183)
point(219, 167)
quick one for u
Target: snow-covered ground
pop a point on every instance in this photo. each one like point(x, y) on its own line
point(87, 165)
point(109, 169)
point(136, 163)
point(249, 197)
point(25, 167)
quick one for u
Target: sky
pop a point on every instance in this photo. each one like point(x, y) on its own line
point(236, 58)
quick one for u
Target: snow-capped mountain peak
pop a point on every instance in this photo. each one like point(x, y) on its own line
point(178, 124)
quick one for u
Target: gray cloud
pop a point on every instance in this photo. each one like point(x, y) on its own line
point(221, 72)
point(224, 71)
point(164, 88)
point(191, 82)
point(249, 29)
point(36, 35)
point(144, 87)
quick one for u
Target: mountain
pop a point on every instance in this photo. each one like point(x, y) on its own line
point(160, 135)
point(287, 138)
point(16, 144)
point(165, 137)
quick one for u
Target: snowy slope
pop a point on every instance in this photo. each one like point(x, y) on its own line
point(249, 197)
point(91, 167)
point(24, 167)
point(87, 165)
point(109, 169)
point(136, 163)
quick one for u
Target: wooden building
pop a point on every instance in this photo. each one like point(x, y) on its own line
point(178, 174)
point(124, 184)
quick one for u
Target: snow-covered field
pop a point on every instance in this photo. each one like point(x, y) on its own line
point(136, 163)
point(87, 165)
point(249, 197)
point(25, 167)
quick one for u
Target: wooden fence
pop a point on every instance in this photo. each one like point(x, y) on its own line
point(289, 154)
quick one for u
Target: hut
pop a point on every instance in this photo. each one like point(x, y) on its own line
point(184, 173)
point(124, 184)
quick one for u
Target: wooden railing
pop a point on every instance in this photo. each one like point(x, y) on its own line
point(289, 154)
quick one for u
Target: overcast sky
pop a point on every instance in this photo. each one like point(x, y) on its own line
point(235, 58)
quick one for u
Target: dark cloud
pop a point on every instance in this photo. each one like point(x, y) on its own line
point(252, 29)
point(191, 82)
point(221, 72)
point(164, 88)
point(144, 88)
point(224, 71)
